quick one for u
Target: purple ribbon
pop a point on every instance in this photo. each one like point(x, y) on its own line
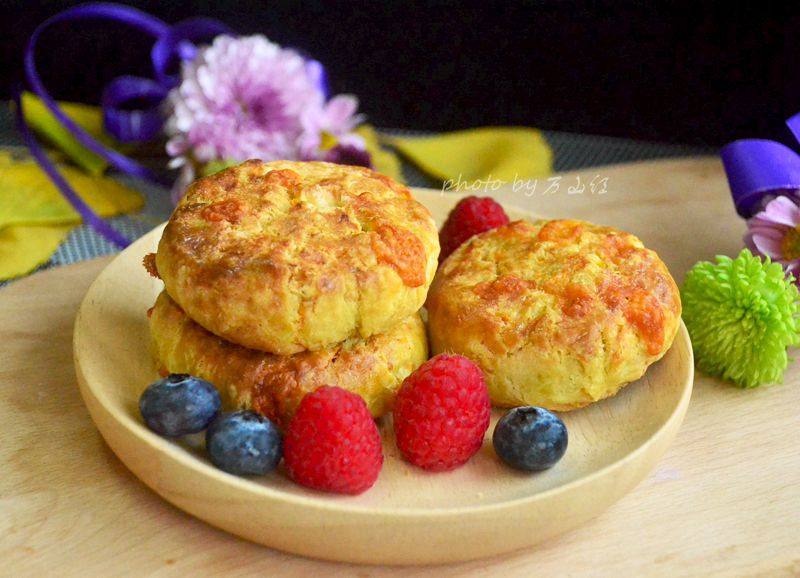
point(124, 121)
point(89, 216)
point(135, 125)
point(758, 170)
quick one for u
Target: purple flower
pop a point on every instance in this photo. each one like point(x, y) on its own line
point(775, 233)
point(345, 154)
point(243, 98)
point(337, 118)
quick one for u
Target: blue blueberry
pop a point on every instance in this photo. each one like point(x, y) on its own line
point(179, 404)
point(244, 442)
point(530, 438)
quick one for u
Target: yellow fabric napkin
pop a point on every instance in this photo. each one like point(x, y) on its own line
point(35, 218)
point(383, 160)
point(89, 118)
point(504, 153)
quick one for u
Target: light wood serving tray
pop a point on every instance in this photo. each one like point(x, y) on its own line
point(409, 517)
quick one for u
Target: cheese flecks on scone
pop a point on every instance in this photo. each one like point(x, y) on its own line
point(558, 314)
point(292, 256)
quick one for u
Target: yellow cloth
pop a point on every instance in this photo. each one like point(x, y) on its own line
point(503, 153)
point(35, 218)
point(89, 118)
point(383, 160)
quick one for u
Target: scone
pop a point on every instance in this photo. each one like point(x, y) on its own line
point(274, 385)
point(558, 314)
point(292, 256)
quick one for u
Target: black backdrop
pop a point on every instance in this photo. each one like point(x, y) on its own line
point(692, 72)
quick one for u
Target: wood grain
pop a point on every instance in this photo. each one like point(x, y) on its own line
point(725, 499)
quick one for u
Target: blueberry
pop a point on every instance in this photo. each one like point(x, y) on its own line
point(179, 404)
point(530, 438)
point(244, 442)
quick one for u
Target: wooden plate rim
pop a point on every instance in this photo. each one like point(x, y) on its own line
point(322, 502)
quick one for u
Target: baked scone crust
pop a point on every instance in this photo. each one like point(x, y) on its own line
point(558, 313)
point(274, 385)
point(292, 256)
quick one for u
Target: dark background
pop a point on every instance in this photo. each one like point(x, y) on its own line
point(687, 72)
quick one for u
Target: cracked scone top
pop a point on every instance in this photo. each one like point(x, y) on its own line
point(292, 256)
point(558, 314)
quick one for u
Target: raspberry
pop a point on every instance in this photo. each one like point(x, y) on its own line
point(472, 215)
point(332, 443)
point(441, 413)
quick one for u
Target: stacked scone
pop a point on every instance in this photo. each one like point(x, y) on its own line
point(283, 277)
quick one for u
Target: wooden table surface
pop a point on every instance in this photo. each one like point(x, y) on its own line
point(725, 500)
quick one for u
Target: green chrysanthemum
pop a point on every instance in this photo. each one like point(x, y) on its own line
point(742, 314)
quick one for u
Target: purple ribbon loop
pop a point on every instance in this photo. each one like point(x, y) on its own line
point(179, 43)
point(793, 122)
point(760, 169)
point(141, 122)
point(122, 116)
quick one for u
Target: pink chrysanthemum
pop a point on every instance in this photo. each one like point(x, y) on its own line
point(775, 233)
point(337, 118)
point(243, 98)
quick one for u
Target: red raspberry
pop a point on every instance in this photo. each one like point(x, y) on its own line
point(472, 215)
point(332, 443)
point(441, 413)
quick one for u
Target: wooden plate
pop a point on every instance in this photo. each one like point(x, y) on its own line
point(409, 516)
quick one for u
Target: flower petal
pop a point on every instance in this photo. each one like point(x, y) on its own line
point(769, 246)
point(782, 210)
point(793, 268)
point(772, 231)
point(339, 113)
point(749, 243)
point(247, 97)
point(351, 139)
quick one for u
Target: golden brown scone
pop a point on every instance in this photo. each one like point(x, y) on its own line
point(558, 314)
point(274, 385)
point(292, 256)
